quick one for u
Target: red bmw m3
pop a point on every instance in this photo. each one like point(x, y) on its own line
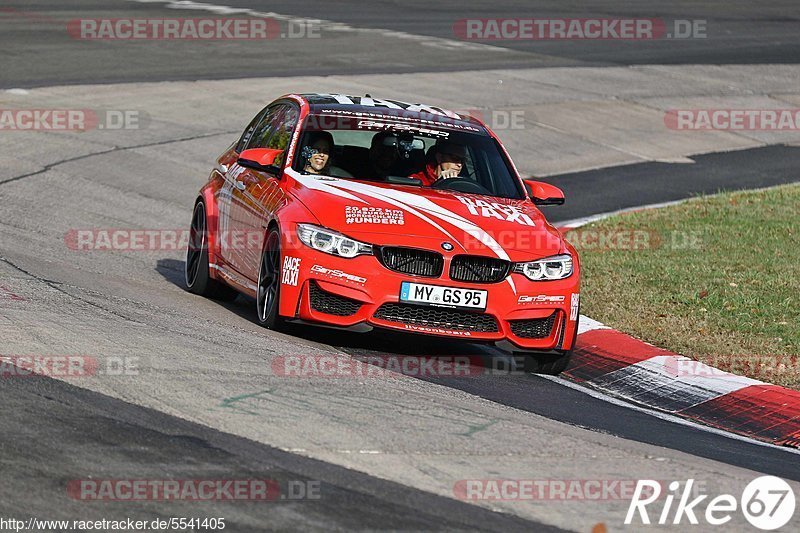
point(360, 212)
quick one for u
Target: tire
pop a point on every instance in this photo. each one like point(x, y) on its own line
point(196, 270)
point(550, 364)
point(269, 283)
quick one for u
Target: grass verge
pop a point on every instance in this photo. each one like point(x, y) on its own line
point(716, 278)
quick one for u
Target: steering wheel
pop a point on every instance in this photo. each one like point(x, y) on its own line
point(460, 185)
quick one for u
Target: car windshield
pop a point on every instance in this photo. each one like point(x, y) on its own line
point(407, 153)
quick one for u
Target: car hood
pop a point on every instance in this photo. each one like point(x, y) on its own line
point(421, 217)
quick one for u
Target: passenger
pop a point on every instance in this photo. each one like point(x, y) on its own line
point(447, 162)
point(317, 152)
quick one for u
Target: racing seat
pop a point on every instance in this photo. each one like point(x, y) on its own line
point(354, 159)
point(414, 163)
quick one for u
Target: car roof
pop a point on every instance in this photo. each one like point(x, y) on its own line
point(354, 106)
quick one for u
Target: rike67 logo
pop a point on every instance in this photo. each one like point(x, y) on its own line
point(767, 503)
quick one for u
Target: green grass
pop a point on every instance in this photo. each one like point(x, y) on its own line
point(719, 282)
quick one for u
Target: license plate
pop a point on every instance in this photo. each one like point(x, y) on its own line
point(443, 296)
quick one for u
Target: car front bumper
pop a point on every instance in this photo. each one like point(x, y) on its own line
point(348, 293)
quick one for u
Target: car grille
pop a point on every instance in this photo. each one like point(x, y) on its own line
point(332, 304)
point(412, 261)
point(478, 269)
point(537, 328)
point(437, 317)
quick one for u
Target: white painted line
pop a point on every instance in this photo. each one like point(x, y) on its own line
point(588, 324)
point(665, 416)
point(329, 25)
point(578, 222)
point(665, 382)
point(697, 373)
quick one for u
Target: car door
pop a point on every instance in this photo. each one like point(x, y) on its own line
point(228, 198)
point(258, 194)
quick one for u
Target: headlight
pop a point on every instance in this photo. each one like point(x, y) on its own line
point(549, 268)
point(331, 242)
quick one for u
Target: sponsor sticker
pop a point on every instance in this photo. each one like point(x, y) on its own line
point(438, 331)
point(373, 215)
point(504, 212)
point(574, 306)
point(368, 101)
point(540, 299)
point(291, 270)
point(394, 127)
point(337, 274)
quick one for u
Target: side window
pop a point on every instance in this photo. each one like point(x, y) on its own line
point(248, 133)
point(265, 127)
point(282, 127)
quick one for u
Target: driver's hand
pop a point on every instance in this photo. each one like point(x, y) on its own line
point(449, 173)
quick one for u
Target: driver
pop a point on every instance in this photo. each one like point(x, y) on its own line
point(447, 162)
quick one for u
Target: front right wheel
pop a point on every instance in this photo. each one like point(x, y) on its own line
point(269, 282)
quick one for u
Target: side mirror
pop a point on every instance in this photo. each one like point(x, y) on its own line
point(260, 159)
point(543, 193)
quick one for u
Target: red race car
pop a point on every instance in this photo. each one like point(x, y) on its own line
point(357, 212)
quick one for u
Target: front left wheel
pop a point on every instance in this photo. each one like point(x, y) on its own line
point(549, 364)
point(552, 364)
point(196, 269)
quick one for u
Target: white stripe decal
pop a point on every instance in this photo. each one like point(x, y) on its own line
point(511, 282)
point(305, 181)
point(421, 203)
point(378, 194)
point(325, 185)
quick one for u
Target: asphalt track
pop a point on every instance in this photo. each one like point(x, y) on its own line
point(120, 439)
point(376, 37)
point(605, 190)
point(204, 406)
